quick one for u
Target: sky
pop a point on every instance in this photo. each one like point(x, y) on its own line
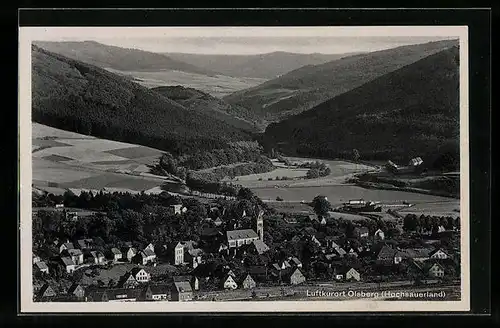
point(250, 40)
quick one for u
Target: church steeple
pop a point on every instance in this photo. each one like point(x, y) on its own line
point(260, 225)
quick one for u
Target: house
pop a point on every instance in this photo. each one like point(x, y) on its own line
point(130, 252)
point(260, 246)
point(42, 267)
point(236, 238)
point(339, 251)
point(352, 252)
point(258, 272)
point(295, 278)
point(181, 291)
point(36, 259)
point(276, 267)
point(115, 254)
point(128, 281)
point(315, 240)
point(84, 244)
point(150, 247)
point(65, 246)
point(218, 222)
point(229, 283)
point(352, 275)
point(75, 254)
point(285, 265)
point(179, 253)
point(385, 254)
point(248, 282)
point(295, 262)
point(77, 291)
point(436, 270)
point(361, 232)
point(379, 234)
point(96, 295)
point(150, 255)
point(441, 229)
point(97, 257)
point(140, 275)
point(223, 248)
point(46, 292)
point(122, 294)
point(438, 254)
point(178, 209)
point(194, 256)
point(140, 258)
point(323, 221)
point(399, 256)
point(330, 242)
point(68, 264)
point(155, 293)
point(418, 254)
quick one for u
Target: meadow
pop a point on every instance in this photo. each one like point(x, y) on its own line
point(65, 160)
point(217, 85)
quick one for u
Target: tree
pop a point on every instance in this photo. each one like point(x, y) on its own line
point(355, 155)
point(246, 193)
point(312, 173)
point(321, 205)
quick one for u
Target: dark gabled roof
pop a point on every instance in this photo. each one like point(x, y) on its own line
point(260, 246)
point(44, 289)
point(115, 293)
point(68, 245)
point(149, 252)
point(241, 234)
point(386, 252)
point(74, 252)
point(437, 250)
point(417, 252)
point(257, 270)
point(41, 265)
point(158, 289)
point(73, 288)
point(115, 251)
point(183, 286)
point(136, 270)
point(295, 261)
point(67, 261)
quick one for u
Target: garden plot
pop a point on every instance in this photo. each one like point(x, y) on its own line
point(98, 145)
point(83, 155)
point(135, 152)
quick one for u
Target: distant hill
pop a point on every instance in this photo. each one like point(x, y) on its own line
point(78, 97)
point(268, 66)
point(413, 111)
point(202, 102)
point(106, 56)
point(308, 86)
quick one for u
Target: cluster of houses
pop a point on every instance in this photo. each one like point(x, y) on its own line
point(85, 252)
point(181, 289)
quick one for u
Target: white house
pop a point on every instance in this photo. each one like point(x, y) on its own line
point(229, 283)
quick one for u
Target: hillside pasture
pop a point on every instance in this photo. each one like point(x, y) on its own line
point(216, 85)
point(64, 161)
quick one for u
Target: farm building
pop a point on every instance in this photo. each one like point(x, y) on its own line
point(295, 278)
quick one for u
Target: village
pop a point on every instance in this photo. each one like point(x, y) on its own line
point(241, 249)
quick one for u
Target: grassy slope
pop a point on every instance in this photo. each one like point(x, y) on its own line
point(202, 102)
point(78, 97)
point(269, 65)
point(309, 86)
point(102, 55)
point(413, 111)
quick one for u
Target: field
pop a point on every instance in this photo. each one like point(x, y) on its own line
point(65, 160)
point(217, 86)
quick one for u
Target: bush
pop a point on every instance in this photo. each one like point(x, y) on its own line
point(279, 199)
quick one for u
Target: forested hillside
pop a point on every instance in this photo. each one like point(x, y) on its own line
point(308, 86)
point(79, 97)
point(269, 65)
point(118, 58)
point(202, 102)
point(413, 111)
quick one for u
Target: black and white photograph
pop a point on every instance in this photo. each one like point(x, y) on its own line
point(228, 168)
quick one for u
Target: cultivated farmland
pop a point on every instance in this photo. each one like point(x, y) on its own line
point(62, 160)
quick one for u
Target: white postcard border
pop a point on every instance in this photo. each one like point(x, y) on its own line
point(27, 34)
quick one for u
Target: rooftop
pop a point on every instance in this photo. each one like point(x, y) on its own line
point(241, 234)
point(183, 286)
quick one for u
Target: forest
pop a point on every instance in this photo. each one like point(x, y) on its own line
point(81, 98)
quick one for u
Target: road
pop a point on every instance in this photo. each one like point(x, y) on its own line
point(303, 292)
